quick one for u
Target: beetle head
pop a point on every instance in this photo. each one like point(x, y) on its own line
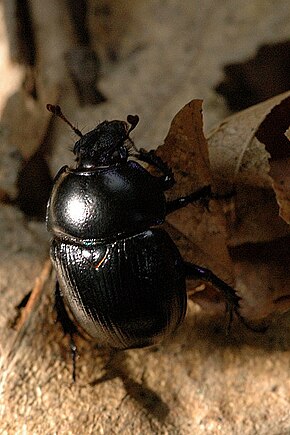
point(106, 144)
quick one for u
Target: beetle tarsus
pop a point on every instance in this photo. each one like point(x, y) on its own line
point(192, 271)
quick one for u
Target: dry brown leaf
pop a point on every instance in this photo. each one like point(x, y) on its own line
point(33, 118)
point(272, 134)
point(250, 151)
point(239, 159)
point(201, 235)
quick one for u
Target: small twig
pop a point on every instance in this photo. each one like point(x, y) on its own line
point(35, 295)
point(28, 310)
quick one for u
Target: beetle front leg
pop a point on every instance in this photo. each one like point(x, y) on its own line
point(202, 195)
point(68, 326)
point(192, 271)
point(150, 157)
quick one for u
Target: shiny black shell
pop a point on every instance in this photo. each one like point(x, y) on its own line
point(105, 203)
point(126, 294)
point(121, 278)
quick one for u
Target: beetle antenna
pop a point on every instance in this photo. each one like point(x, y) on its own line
point(56, 110)
point(133, 120)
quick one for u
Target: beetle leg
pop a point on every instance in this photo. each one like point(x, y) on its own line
point(67, 325)
point(202, 196)
point(150, 157)
point(192, 271)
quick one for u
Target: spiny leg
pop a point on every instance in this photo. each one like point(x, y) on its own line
point(150, 157)
point(192, 271)
point(202, 196)
point(67, 325)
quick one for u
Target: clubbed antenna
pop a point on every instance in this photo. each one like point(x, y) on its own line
point(56, 110)
point(133, 120)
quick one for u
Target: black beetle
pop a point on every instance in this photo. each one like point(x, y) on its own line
point(120, 275)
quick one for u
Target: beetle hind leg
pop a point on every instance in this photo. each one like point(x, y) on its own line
point(68, 326)
point(192, 271)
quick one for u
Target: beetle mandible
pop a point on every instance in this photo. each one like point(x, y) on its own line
point(120, 275)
